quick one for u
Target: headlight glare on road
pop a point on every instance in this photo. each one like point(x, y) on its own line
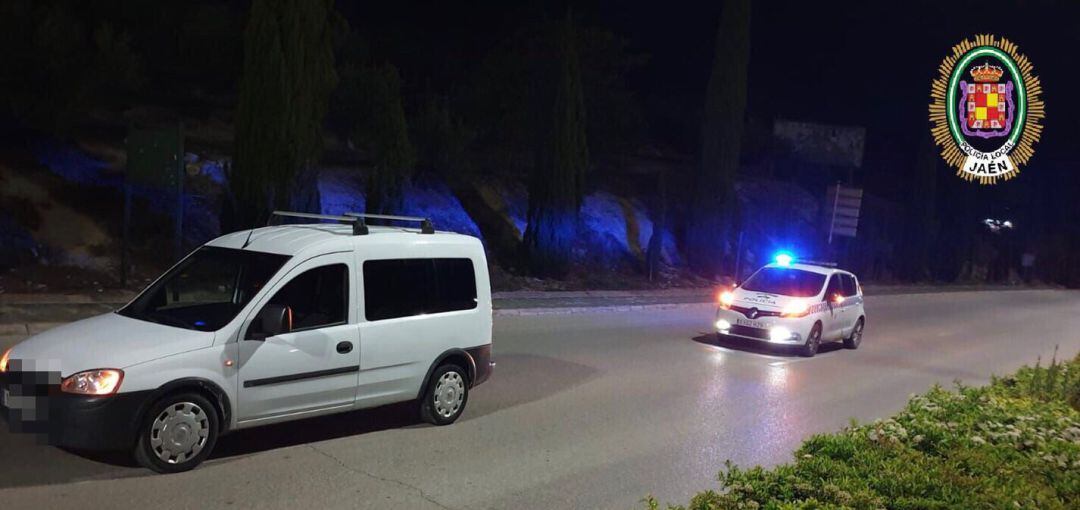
point(722, 325)
point(93, 382)
point(779, 334)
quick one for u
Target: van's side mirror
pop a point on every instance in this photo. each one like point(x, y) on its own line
point(272, 320)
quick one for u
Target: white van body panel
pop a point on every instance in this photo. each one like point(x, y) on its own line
point(396, 354)
point(299, 352)
point(107, 341)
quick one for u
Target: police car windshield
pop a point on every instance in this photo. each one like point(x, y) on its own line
point(207, 289)
point(785, 281)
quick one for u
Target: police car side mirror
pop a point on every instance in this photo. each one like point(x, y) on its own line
point(272, 320)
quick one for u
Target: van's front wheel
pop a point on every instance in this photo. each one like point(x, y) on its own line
point(446, 395)
point(177, 434)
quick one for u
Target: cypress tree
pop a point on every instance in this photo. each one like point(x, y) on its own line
point(387, 132)
point(713, 218)
point(558, 178)
point(285, 86)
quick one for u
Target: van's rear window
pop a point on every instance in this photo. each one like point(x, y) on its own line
point(207, 289)
point(405, 287)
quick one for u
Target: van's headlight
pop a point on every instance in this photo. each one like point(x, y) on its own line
point(93, 382)
point(725, 298)
point(4, 360)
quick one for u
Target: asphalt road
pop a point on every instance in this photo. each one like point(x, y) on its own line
point(583, 411)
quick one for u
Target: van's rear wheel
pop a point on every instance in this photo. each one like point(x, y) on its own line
point(446, 395)
point(177, 434)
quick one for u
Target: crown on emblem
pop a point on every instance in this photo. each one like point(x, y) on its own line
point(986, 73)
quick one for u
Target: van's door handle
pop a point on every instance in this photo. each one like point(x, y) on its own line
point(344, 347)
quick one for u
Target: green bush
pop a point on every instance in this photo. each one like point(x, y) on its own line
point(1012, 444)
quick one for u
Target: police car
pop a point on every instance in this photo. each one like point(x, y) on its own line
point(794, 303)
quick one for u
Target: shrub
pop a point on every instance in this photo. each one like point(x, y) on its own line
point(1012, 444)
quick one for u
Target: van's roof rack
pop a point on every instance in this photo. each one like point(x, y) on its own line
point(426, 227)
point(359, 228)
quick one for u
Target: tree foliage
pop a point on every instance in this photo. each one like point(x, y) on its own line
point(62, 62)
point(371, 113)
point(713, 217)
point(557, 183)
point(287, 80)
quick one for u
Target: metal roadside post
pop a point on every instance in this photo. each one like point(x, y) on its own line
point(846, 202)
point(844, 218)
point(155, 159)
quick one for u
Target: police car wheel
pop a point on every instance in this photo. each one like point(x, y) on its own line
point(177, 434)
point(446, 395)
point(813, 340)
point(853, 341)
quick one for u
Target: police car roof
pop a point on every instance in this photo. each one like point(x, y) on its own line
point(825, 270)
point(329, 237)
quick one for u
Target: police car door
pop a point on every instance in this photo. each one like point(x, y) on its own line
point(832, 321)
point(850, 303)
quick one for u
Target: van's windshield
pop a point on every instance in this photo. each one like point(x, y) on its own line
point(207, 289)
point(785, 281)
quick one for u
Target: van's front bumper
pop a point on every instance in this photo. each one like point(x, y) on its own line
point(773, 330)
point(74, 421)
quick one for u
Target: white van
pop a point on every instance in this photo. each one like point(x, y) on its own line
point(264, 326)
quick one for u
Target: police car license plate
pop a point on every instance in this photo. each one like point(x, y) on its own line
point(751, 324)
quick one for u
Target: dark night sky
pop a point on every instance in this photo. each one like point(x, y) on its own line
point(845, 62)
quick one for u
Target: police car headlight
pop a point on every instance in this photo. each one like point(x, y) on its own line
point(796, 309)
point(93, 382)
point(723, 325)
point(726, 298)
point(779, 333)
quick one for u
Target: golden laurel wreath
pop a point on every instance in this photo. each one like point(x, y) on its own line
point(954, 149)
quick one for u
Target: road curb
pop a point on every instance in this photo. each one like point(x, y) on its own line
point(570, 310)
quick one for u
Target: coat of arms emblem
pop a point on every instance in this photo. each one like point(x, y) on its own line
point(986, 109)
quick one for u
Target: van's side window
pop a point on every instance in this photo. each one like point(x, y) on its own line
point(405, 287)
point(318, 297)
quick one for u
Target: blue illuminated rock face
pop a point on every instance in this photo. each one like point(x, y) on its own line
point(777, 216)
point(610, 231)
point(617, 229)
point(613, 231)
point(17, 245)
point(342, 190)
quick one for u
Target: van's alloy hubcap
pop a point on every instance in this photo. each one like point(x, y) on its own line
point(856, 337)
point(449, 393)
point(179, 432)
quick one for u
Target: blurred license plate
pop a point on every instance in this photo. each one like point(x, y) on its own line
point(751, 324)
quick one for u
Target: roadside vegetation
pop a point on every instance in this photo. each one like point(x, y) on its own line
point(1012, 444)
